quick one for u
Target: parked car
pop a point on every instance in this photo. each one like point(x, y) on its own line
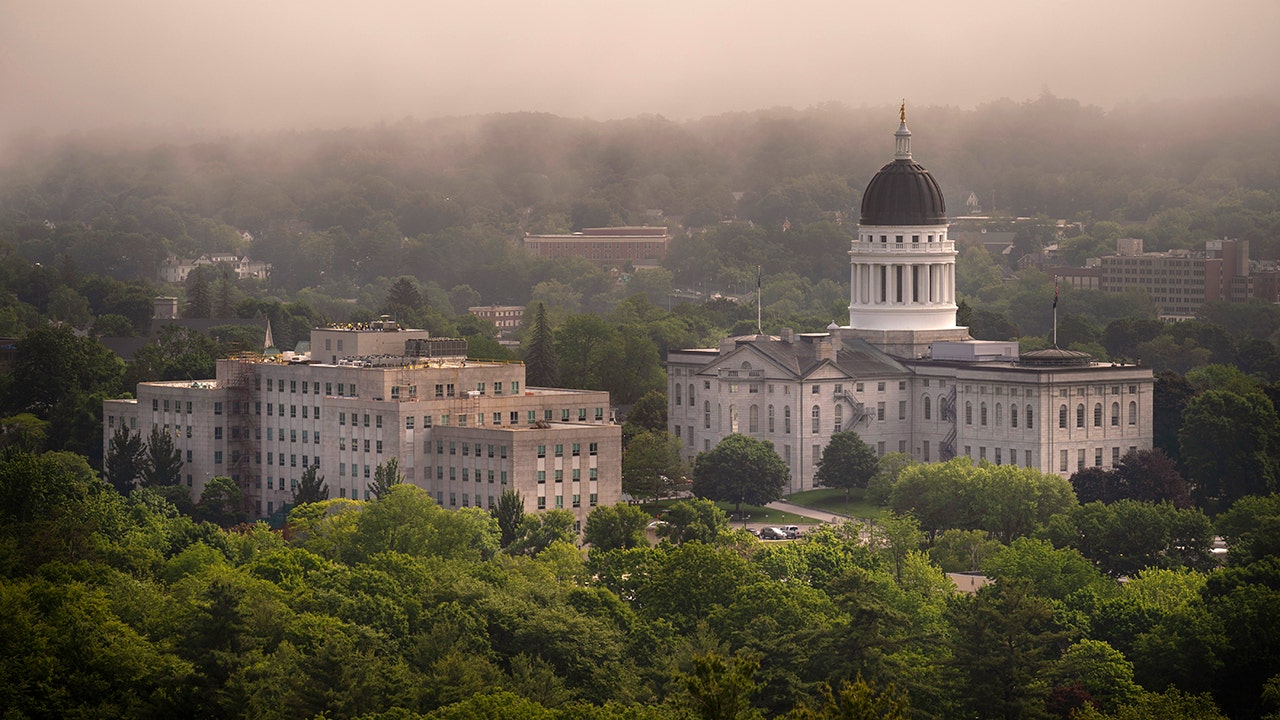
point(792, 531)
point(772, 533)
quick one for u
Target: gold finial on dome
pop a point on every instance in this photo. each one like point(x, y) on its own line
point(902, 111)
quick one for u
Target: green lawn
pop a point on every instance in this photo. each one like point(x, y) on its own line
point(754, 514)
point(832, 501)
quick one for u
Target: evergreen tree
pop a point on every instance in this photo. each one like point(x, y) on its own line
point(540, 358)
point(124, 459)
point(199, 294)
point(311, 488)
point(385, 476)
point(509, 512)
point(161, 462)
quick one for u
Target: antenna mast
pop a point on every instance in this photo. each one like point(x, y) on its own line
point(759, 325)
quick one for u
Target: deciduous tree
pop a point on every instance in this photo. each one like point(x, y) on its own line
point(739, 470)
point(847, 462)
point(612, 527)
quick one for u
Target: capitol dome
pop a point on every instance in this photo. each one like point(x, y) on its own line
point(903, 193)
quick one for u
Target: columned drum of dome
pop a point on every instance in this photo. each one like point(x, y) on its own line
point(902, 264)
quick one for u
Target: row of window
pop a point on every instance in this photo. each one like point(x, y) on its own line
point(982, 414)
point(1097, 415)
point(344, 389)
point(1063, 457)
point(575, 449)
point(558, 475)
point(501, 449)
point(449, 390)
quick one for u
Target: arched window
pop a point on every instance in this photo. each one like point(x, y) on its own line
point(839, 419)
point(690, 393)
point(706, 414)
point(753, 419)
point(1133, 412)
point(1013, 416)
point(968, 413)
point(678, 389)
point(770, 419)
point(999, 415)
point(982, 414)
point(1080, 415)
point(1097, 414)
point(1115, 414)
point(817, 419)
point(928, 408)
point(786, 420)
point(1062, 417)
point(733, 418)
point(1031, 426)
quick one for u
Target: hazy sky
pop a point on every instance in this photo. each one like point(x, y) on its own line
point(209, 65)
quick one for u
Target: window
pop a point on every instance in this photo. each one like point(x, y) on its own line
point(902, 409)
point(217, 407)
point(999, 414)
point(1031, 426)
point(1133, 412)
point(770, 422)
point(217, 433)
point(1080, 416)
point(1062, 461)
point(982, 414)
point(1013, 421)
point(542, 451)
point(542, 503)
point(217, 457)
point(968, 413)
point(880, 411)
point(592, 449)
point(378, 421)
point(838, 422)
point(408, 422)
point(786, 420)
point(706, 414)
point(1062, 417)
point(816, 415)
point(928, 408)
point(559, 450)
point(815, 390)
point(1115, 414)
point(678, 397)
point(1097, 414)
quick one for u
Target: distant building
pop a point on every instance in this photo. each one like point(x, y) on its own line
point(507, 318)
point(175, 270)
point(463, 430)
point(607, 247)
point(902, 374)
point(1180, 282)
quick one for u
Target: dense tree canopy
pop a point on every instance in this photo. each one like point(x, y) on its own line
point(740, 469)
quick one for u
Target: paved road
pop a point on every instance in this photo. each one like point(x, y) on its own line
point(819, 515)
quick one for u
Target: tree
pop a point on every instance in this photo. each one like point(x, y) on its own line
point(1169, 397)
point(847, 462)
point(538, 531)
point(651, 465)
point(220, 502)
point(23, 432)
point(311, 488)
point(1229, 443)
point(124, 459)
point(161, 463)
point(720, 688)
point(199, 292)
point(690, 520)
point(540, 357)
point(509, 512)
point(739, 470)
point(1005, 639)
point(650, 411)
point(613, 527)
point(385, 476)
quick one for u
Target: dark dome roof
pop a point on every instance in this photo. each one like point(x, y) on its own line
point(903, 193)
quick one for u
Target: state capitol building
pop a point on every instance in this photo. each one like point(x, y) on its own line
point(902, 374)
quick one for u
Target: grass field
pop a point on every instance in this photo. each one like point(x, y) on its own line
point(832, 501)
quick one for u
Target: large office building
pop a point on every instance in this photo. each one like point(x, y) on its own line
point(902, 374)
point(463, 430)
point(1180, 282)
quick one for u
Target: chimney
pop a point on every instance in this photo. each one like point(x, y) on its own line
point(164, 308)
point(827, 348)
point(788, 335)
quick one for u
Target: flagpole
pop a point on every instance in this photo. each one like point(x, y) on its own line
point(759, 325)
point(1055, 311)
